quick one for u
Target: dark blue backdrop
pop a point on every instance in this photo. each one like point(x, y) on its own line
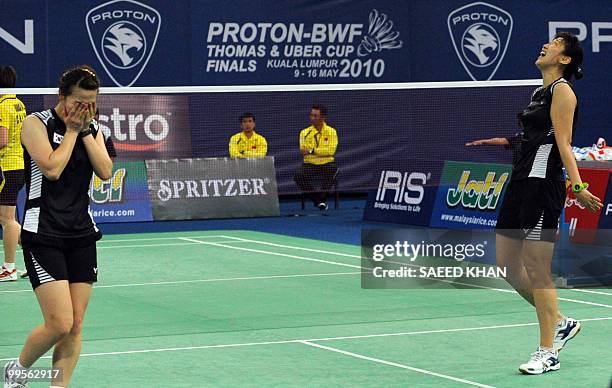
point(342, 41)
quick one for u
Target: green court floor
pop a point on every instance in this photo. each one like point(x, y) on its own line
point(241, 308)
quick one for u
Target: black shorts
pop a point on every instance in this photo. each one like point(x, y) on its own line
point(64, 259)
point(531, 209)
point(13, 182)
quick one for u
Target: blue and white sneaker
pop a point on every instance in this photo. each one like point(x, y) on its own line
point(542, 361)
point(12, 379)
point(565, 331)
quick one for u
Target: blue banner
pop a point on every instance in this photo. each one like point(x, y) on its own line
point(188, 42)
point(470, 195)
point(405, 192)
point(122, 198)
point(605, 220)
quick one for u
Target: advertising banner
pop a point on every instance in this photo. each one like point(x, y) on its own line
point(470, 195)
point(605, 220)
point(182, 189)
point(405, 192)
point(144, 126)
point(583, 223)
point(124, 197)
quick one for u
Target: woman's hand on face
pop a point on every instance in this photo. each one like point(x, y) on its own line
point(79, 117)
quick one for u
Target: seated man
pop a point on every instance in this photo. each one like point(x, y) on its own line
point(318, 145)
point(248, 143)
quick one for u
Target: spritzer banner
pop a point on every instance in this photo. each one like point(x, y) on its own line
point(183, 189)
point(124, 197)
point(470, 195)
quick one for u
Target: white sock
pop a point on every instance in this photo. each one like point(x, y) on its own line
point(9, 266)
point(18, 364)
point(561, 322)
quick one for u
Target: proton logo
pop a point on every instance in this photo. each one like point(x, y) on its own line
point(124, 42)
point(123, 34)
point(481, 41)
point(480, 33)
point(380, 35)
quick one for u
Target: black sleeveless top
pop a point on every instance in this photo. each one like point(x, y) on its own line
point(59, 208)
point(539, 155)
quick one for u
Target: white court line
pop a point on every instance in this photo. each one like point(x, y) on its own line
point(312, 339)
point(155, 245)
point(395, 364)
point(393, 262)
point(272, 253)
point(291, 247)
point(150, 245)
point(206, 280)
point(591, 291)
point(110, 240)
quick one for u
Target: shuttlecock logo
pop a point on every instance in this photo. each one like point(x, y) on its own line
point(123, 34)
point(480, 33)
point(380, 35)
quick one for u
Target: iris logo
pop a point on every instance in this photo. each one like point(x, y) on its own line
point(480, 33)
point(123, 34)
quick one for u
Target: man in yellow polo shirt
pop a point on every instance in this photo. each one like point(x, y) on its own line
point(248, 143)
point(318, 145)
point(12, 113)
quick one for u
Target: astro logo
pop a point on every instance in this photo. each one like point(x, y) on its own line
point(123, 34)
point(480, 33)
point(110, 190)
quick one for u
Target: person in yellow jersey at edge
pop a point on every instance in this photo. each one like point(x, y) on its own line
point(318, 144)
point(12, 114)
point(247, 143)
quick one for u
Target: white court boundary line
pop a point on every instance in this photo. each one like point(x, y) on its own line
point(240, 239)
point(354, 266)
point(395, 364)
point(591, 291)
point(205, 280)
point(288, 88)
point(272, 253)
point(244, 344)
point(155, 238)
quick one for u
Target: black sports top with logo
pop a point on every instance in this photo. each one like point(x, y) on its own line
point(59, 208)
point(539, 155)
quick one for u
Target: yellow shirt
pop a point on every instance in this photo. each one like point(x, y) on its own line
point(323, 143)
point(12, 113)
point(241, 146)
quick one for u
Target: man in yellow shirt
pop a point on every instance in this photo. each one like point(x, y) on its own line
point(12, 114)
point(318, 145)
point(248, 143)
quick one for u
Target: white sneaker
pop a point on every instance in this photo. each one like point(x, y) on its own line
point(565, 331)
point(541, 361)
point(10, 381)
point(8, 276)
